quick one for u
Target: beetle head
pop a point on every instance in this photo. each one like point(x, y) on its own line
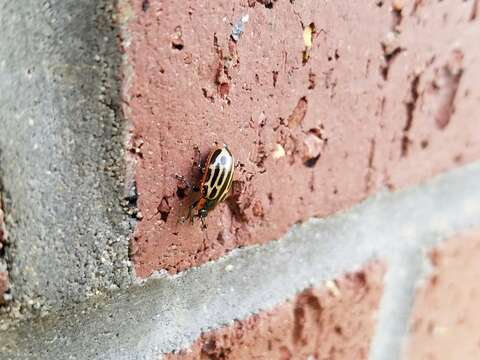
point(202, 213)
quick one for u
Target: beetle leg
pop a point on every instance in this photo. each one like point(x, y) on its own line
point(204, 225)
point(190, 211)
point(189, 214)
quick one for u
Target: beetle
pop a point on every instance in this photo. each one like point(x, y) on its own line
point(215, 183)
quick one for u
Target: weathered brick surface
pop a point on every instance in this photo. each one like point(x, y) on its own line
point(384, 98)
point(334, 322)
point(445, 322)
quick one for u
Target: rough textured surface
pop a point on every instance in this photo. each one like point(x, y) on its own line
point(4, 284)
point(61, 151)
point(314, 129)
point(170, 312)
point(334, 322)
point(445, 322)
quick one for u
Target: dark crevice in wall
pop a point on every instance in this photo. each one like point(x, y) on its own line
point(5, 291)
point(410, 107)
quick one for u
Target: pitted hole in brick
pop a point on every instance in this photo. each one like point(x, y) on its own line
point(311, 80)
point(164, 209)
point(239, 200)
point(270, 198)
point(145, 5)
point(307, 309)
point(338, 330)
point(224, 89)
point(458, 159)
point(371, 167)
point(410, 107)
point(389, 57)
point(220, 238)
point(207, 94)
point(336, 54)
point(177, 39)
point(257, 209)
point(275, 77)
point(475, 10)
point(309, 33)
point(310, 163)
point(215, 350)
point(397, 15)
point(312, 146)
point(359, 278)
point(446, 94)
point(267, 3)
point(299, 321)
point(298, 113)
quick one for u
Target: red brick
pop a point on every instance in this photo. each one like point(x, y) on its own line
point(310, 139)
point(445, 322)
point(335, 322)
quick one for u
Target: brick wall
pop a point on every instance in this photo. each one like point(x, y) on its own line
point(444, 322)
point(350, 229)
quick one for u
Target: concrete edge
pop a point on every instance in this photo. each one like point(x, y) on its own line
point(168, 313)
point(62, 155)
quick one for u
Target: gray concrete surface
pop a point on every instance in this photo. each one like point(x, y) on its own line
point(170, 312)
point(60, 144)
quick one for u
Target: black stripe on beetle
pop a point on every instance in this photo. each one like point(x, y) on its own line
point(215, 155)
point(226, 187)
point(215, 175)
point(222, 175)
point(213, 193)
point(215, 184)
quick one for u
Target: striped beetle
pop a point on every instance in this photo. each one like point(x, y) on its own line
point(215, 183)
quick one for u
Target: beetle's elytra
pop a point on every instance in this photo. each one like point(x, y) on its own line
point(215, 183)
